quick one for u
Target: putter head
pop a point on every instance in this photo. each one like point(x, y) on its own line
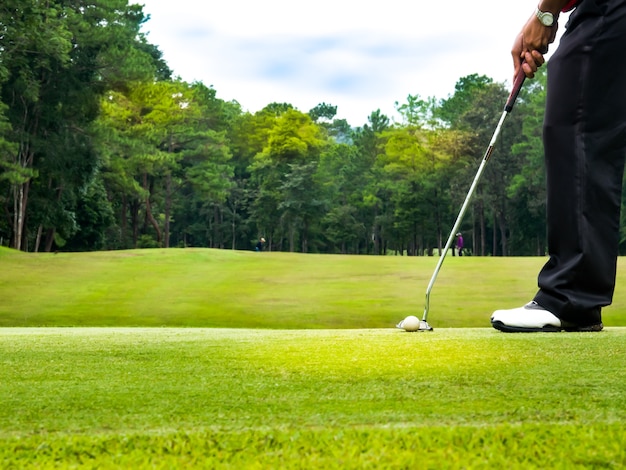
point(424, 326)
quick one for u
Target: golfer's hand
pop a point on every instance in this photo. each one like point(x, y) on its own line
point(530, 45)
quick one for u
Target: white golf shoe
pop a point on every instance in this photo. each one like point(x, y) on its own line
point(532, 317)
point(527, 319)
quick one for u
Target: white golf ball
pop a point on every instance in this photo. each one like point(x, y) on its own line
point(411, 323)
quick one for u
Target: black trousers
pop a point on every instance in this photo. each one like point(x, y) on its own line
point(585, 146)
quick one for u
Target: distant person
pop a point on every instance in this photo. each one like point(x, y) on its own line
point(584, 140)
point(459, 243)
point(260, 244)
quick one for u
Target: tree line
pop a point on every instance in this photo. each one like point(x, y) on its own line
point(102, 148)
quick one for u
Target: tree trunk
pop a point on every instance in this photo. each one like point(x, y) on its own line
point(149, 215)
point(24, 160)
point(168, 208)
point(217, 223)
point(233, 228)
point(38, 239)
point(123, 222)
point(494, 236)
point(292, 238)
point(168, 197)
point(49, 240)
point(20, 202)
point(482, 226)
point(305, 238)
point(134, 214)
point(503, 237)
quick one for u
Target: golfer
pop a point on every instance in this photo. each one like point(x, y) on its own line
point(260, 244)
point(584, 136)
point(459, 243)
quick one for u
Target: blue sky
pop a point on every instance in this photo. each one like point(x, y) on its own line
point(358, 56)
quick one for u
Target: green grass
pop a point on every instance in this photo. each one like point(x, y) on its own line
point(237, 398)
point(293, 363)
point(221, 288)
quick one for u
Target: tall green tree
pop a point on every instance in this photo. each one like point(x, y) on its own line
point(168, 141)
point(343, 174)
point(419, 163)
point(452, 109)
point(293, 143)
point(375, 207)
point(60, 58)
point(475, 109)
point(208, 169)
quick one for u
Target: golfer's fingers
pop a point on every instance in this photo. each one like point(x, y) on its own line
point(532, 60)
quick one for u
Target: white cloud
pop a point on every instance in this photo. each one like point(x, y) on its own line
point(359, 56)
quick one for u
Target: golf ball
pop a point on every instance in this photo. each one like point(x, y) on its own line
point(411, 323)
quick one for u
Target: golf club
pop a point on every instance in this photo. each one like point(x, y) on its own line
point(517, 86)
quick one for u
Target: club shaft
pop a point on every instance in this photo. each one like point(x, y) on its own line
point(468, 198)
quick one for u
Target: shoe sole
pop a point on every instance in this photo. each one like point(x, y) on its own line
point(498, 325)
point(583, 329)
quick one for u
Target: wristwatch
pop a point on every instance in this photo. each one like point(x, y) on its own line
point(546, 18)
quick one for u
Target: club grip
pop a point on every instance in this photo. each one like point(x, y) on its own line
point(517, 86)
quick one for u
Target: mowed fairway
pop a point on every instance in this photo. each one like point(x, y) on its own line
point(377, 398)
point(223, 288)
point(293, 362)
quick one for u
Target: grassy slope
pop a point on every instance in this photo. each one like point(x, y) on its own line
point(323, 398)
point(220, 288)
point(236, 398)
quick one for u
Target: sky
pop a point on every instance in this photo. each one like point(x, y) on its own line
point(359, 56)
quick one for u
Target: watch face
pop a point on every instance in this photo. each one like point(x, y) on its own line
point(547, 19)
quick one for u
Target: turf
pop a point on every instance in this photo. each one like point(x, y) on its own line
point(293, 362)
point(222, 288)
point(364, 398)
